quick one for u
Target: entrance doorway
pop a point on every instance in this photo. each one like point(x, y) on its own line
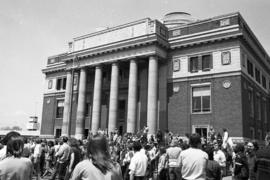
point(202, 130)
point(58, 133)
point(121, 124)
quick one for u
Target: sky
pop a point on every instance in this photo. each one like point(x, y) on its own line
point(33, 30)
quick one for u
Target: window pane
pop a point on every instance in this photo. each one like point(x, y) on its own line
point(250, 68)
point(60, 109)
point(206, 62)
point(206, 103)
point(196, 104)
point(64, 83)
point(201, 91)
point(193, 64)
point(263, 81)
point(257, 75)
point(58, 84)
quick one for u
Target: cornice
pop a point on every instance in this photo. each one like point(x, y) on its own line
point(204, 40)
point(124, 55)
point(114, 47)
point(215, 35)
point(54, 69)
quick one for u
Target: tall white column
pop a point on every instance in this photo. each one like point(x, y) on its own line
point(113, 107)
point(97, 100)
point(80, 119)
point(67, 105)
point(132, 96)
point(152, 94)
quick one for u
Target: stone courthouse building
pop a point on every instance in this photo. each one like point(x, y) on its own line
point(181, 74)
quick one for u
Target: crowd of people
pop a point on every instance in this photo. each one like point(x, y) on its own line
point(141, 156)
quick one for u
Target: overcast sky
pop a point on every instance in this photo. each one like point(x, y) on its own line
point(32, 30)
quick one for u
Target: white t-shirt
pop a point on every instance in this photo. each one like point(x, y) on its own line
point(174, 153)
point(193, 163)
point(37, 150)
point(219, 157)
point(138, 164)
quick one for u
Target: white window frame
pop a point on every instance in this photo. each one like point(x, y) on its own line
point(191, 97)
point(57, 100)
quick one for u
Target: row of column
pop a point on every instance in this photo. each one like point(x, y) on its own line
point(113, 104)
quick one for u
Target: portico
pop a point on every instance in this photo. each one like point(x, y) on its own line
point(132, 114)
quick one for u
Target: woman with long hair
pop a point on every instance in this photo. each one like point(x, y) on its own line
point(14, 166)
point(98, 164)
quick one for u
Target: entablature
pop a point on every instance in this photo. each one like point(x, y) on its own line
point(124, 55)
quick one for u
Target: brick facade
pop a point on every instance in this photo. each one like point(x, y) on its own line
point(230, 83)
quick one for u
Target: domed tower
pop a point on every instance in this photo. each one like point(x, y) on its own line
point(177, 19)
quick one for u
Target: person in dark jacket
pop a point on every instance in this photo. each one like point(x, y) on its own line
point(241, 170)
point(213, 169)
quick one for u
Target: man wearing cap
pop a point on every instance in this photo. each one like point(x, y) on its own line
point(173, 153)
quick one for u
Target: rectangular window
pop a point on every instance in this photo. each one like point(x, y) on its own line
point(251, 106)
point(58, 133)
point(193, 64)
point(61, 83)
point(257, 75)
point(250, 68)
point(201, 98)
point(264, 111)
point(258, 108)
point(60, 109)
point(64, 83)
point(243, 60)
point(58, 84)
point(263, 81)
point(206, 62)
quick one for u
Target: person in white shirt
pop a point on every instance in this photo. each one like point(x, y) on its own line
point(219, 157)
point(138, 163)
point(193, 160)
point(173, 153)
point(227, 141)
